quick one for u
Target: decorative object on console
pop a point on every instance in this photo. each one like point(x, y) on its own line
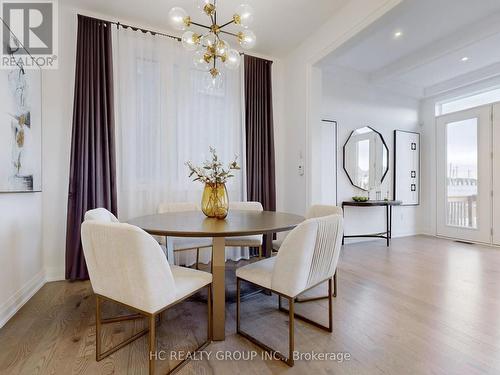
point(360, 199)
point(366, 158)
point(20, 128)
point(210, 47)
point(407, 167)
point(215, 202)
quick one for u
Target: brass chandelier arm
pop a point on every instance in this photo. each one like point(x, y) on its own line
point(226, 24)
point(229, 33)
point(213, 23)
point(200, 25)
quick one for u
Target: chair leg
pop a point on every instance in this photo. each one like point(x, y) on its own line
point(309, 299)
point(291, 331)
point(152, 334)
point(152, 343)
point(198, 258)
point(97, 327)
point(330, 305)
point(190, 355)
point(260, 252)
point(335, 284)
point(99, 356)
point(276, 354)
point(328, 328)
point(238, 301)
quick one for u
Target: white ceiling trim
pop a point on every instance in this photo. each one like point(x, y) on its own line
point(451, 43)
point(352, 76)
point(488, 72)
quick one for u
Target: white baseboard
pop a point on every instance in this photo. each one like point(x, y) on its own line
point(16, 301)
point(408, 234)
point(54, 274)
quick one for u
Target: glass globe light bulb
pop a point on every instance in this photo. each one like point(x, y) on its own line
point(247, 39)
point(213, 84)
point(199, 60)
point(233, 59)
point(244, 15)
point(208, 40)
point(206, 6)
point(222, 47)
point(190, 40)
point(178, 18)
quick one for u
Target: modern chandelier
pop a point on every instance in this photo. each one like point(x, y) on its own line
point(210, 47)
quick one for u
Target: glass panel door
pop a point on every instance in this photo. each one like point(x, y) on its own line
point(496, 175)
point(462, 168)
point(464, 175)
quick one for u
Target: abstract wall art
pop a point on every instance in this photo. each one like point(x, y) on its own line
point(20, 130)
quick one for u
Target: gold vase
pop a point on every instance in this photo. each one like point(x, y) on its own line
point(214, 202)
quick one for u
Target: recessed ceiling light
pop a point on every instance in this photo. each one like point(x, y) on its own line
point(465, 58)
point(398, 34)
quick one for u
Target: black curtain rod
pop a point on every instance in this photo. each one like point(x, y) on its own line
point(136, 28)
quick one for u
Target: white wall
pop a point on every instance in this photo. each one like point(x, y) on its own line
point(358, 104)
point(33, 225)
point(299, 78)
point(57, 119)
point(21, 260)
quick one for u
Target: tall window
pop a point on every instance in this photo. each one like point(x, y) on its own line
point(167, 114)
point(471, 101)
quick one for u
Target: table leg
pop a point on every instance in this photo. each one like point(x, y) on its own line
point(169, 245)
point(388, 223)
point(219, 289)
point(268, 245)
point(343, 216)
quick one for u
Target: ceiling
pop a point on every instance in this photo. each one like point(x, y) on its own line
point(427, 57)
point(275, 21)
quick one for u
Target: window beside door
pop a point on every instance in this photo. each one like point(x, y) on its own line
point(462, 172)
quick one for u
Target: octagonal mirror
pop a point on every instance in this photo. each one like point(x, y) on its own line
point(366, 158)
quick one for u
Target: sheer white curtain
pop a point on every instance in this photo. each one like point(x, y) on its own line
point(166, 116)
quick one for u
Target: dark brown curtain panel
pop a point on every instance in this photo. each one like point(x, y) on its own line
point(92, 179)
point(261, 184)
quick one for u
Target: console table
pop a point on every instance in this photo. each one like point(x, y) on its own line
point(388, 206)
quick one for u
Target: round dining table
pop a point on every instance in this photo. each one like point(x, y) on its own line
point(236, 224)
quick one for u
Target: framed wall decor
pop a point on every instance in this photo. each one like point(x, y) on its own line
point(407, 167)
point(20, 128)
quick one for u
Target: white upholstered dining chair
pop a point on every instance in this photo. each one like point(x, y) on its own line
point(244, 241)
point(183, 243)
point(317, 210)
point(127, 266)
point(102, 215)
point(307, 258)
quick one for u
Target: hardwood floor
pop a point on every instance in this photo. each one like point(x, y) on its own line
point(422, 306)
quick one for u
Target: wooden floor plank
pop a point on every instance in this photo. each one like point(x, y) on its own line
point(421, 306)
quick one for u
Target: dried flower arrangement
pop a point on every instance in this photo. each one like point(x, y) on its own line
point(212, 171)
